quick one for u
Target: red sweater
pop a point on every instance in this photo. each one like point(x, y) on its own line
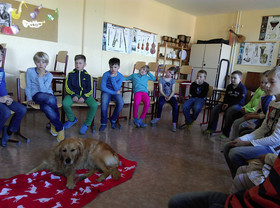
point(265, 195)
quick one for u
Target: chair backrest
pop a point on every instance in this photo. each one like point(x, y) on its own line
point(138, 65)
point(154, 68)
point(4, 55)
point(62, 58)
point(21, 85)
point(210, 92)
point(186, 70)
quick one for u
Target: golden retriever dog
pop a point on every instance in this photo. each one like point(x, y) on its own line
point(72, 154)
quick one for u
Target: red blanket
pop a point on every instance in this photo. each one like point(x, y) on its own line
point(44, 189)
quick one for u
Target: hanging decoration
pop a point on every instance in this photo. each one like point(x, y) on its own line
point(270, 28)
point(17, 13)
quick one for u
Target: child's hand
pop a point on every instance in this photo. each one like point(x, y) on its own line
point(114, 75)
point(118, 92)
point(247, 117)
point(41, 74)
point(242, 110)
point(9, 100)
point(166, 98)
point(30, 102)
point(262, 157)
point(238, 142)
point(75, 99)
point(81, 100)
point(224, 107)
point(3, 99)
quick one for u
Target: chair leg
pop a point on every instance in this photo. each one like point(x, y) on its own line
point(22, 136)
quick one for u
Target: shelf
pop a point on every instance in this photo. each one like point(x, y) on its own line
point(171, 59)
point(174, 47)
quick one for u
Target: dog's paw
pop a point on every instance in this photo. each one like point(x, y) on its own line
point(70, 186)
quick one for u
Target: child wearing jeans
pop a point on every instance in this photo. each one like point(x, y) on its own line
point(6, 105)
point(233, 101)
point(38, 90)
point(79, 88)
point(198, 91)
point(167, 90)
point(264, 139)
point(251, 121)
point(140, 90)
point(110, 90)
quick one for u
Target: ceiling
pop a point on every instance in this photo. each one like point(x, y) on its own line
point(211, 7)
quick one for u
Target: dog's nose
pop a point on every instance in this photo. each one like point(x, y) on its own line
point(68, 160)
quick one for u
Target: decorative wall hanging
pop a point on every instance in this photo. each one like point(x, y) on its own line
point(270, 28)
point(252, 53)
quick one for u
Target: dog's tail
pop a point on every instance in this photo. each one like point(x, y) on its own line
point(116, 174)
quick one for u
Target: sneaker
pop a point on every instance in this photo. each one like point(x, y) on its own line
point(207, 131)
point(189, 126)
point(223, 136)
point(60, 135)
point(113, 124)
point(136, 122)
point(142, 125)
point(174, 128)
point(53, 131)
point(5, 136)
point(102, 127)
point(83, 129)
point(155, 120)
point(68, 124)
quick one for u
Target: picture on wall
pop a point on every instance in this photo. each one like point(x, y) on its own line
point(5, 15)
point(126, 40)
point(270, 28)
point(260, 54)
point(144, 42)
point(116, 38)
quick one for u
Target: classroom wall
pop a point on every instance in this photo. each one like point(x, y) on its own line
point(217, 26)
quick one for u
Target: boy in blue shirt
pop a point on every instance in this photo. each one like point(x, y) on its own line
point(233, 101)
point(111, 90)
point(6, 105)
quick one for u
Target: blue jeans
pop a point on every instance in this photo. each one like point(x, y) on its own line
point(200, 199)
point(238, 156)
point(105, 100)
point(214, 116)
point(173, 103)
point(48, 104)
point(5, 113)
point(196, 105)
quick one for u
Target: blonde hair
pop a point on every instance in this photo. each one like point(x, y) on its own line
point(41, 56)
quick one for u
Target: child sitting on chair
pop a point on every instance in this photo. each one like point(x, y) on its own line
point(6, 105)
point(111, 90)
point(198, 91)
point(233, 101)
point(38, 90)
point(140, 90)
point(251, 121)
point(79, 88)
point(167, 90)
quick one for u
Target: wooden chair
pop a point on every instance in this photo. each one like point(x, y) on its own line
point(184, 77)
point(21, 98)
point(4, 55)
point(60, 59)
point(207, 107)
point(154, 67)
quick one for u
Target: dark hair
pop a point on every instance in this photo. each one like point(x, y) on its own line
point(1, 49)
point(265, 74)
point(239, 73)
point(114, 61)
point(80, 56)
point(202, 71)
point(172, 68)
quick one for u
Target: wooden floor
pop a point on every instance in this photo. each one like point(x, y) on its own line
point(167, 162)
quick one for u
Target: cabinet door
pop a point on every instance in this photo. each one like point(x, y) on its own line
point(197, 54)
point(212, 55)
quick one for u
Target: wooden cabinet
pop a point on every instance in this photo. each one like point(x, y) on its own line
point(214, 59)
point(164, 50)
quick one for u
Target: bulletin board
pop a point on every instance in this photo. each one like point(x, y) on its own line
point(29, 21)
point(256, 53)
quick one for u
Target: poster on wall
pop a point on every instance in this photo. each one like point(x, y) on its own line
point(270, 28)
point(144, 42)
point(5, 14)
point(116, 38)
point(260, 54)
